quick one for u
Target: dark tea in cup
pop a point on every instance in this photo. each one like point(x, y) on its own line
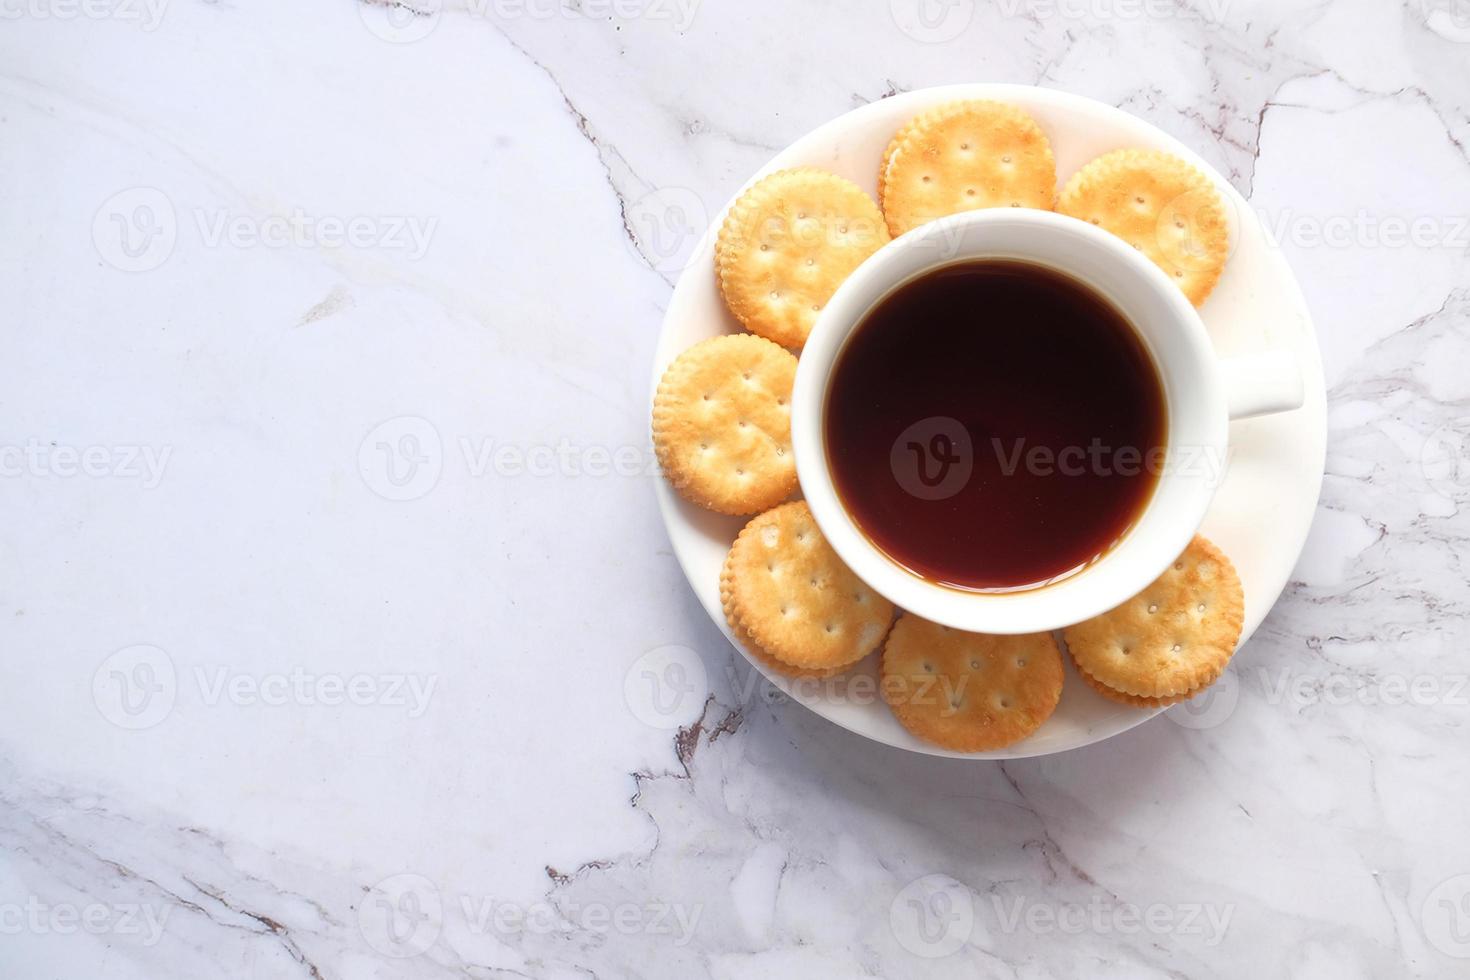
point(995, 425)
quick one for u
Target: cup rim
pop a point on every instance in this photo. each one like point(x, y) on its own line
point(1089, 591)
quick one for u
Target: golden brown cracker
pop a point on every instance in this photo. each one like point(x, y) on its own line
point(962, 156)
point(1133, 701)
point(755, 649)
point(883, 177)
point(969, 691)
point(1161, 206)
point(722, 424)
point(794, 598)
point(787, 244)
point(1173, 638)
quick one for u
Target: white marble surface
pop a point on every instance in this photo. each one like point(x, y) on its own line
point(270, 708)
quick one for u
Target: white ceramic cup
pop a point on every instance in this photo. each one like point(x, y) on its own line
point(1201, 393)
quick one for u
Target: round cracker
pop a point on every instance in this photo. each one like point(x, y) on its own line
point(1173, 638)
point(1133, 701)
point(969, 691)
point(755, 649)
point(787, 590)
point(722, 424)
point(787, 244)
point(1161, 206)
point(962, 156)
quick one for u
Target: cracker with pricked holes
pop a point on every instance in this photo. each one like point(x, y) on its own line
point(1161, 206)
point(970, 692)
point(790, 594)
point(1173, 638)
point(962, 156)
point(755, 649)
point(787, 244)
point(722, 424)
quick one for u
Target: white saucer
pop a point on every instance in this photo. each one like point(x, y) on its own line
point(1263, 510)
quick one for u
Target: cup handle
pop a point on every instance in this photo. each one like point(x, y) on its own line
point(1262, 384)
